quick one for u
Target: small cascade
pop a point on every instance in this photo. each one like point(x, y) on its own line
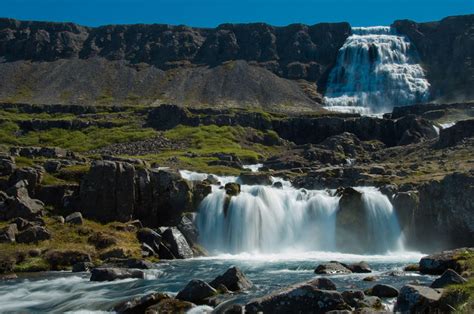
point(264, 219)
point(376, 69)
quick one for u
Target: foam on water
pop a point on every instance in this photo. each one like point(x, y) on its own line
point(376, 69)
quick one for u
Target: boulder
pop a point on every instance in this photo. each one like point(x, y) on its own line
point(449, 277)
point(19, 204)
point(8, 233)
point(62, 259)
point(151, 238)
point(332, 268)
point(322, 283)
point(174, 240)
point(255, 178)
point(188, 228)
point(406, 204)
point(7, 165)
point(33, 235)
point(74, 219)
point(455, 134)
point(438, 263)
point(384, 291)
point(370, 302)
point(298, 298)
point(418, 299)
point(22, 224)
point(170, 306)
point(232, 189)
point(102, 240)
point(139, 264)
point(140, 304)
point(353, 297)
point(200, 191)
point(110, 274)
point(82, 267)
point(32, 175)
point(361, 267)
point(196, 291)
point(233, 279)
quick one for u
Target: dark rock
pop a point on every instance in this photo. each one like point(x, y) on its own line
point(82, 267)
point(170, 306)
point(332, 268)
point(59, 219)
point(22, 224)
point(21, 205)
point(278, 185)
point(114, 253)
point(150, 237)
point(140, 304)
point(233, 279)
point(371, 302)
point(255, 178)
point(102, 240)
point(139, 264)
point(110, 274)
point(418, 299)
point(299, 298)
point(232, 189)
point(176, 243)
point(406, 205)
point(412, 267)
point(60, 260)
point(370, 278)
point(436, 264)
point(7, 166)
point(449, 277)
point(322, 283)
point(188, 228)
point(8, 233)
point(33, 235)
point(353, 297)
point(74, 218)
point(196, 291)
point(455, 134)
point(361, 267)
point(200, 191)
point(384, 291)
point(32, 175)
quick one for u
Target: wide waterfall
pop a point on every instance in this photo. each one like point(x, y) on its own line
point(376, 69)
point(266, 219)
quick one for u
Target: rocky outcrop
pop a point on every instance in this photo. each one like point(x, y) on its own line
point(449, 277)
point(196, 291)
point(233, 279)
point(445, 49)
point(455, 134)
point(419, 299)
point(438, 263)
point(116, 191)
point(176, 244)
point(300, 298)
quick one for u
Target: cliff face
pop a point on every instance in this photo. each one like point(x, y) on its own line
point(446, 50)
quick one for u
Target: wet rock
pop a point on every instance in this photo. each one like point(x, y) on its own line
point(394, 273)
point(74, 219)
point(299, 298)
point(139, 264)
point(110, 274)
point(438, 263)
point(370, 302)
point(278, 185)
point(370, 278)
point(200, 191)
point(150, 237)
point(449, 277)
point(61, 259)
point(140, 304)
point(8, 233)
point(384, 291)
point(332, 268)
point(176, 243)
point(33, 235)
point(188, 228)
point(361, 267)
point(418, 299)
point(170, 306)
point(233, 279)
point(196, 291)
point(232, 189)
point(412, 267)
point(353, 297)
point(82, 267)
point(255, 178)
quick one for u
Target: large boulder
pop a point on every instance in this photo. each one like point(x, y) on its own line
point(174, 240)
point(140, 304)
point(449, 277)
point(418, 299)
point(151, 238)
point(233, 279)
point(299, 298)
point(110, 274)
point(32, 175)
point(455, 134)
point(438, 263)
point(188, 228)
point(255, 178)
point(33, 234)
point(361, 267)
point(107, 191)
point(384, 291)
point(19, 204)
point(332, 268)
point(196, 291)
point(8, 233)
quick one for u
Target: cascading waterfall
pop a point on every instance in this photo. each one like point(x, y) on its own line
point(376, 69)
point(265, 219)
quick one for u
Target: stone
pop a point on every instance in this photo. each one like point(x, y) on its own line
point(384, 291)
point(412, 267)
point(278, 185)
point(418, 299)
point(353, 297)
point(8, 233)
point(32, 175)
point(255, 178)
point(196, 291)
point(232, 189)
point(449, 277)
point(20, 204)
point(233, 279)
point(322, 283)
point(33, 235)
point(150, 237)
point(174, 240)
point(82, 267)
point(59, 219)
point(22, 224)
point(74, 219)
point(140, 304)
point(188, 228)
point(139, 264)
point(370, 278)
point(361, 267)
point(114, 253)
point(110, 274)
point(370, 302)
point(298, 298)
point(438, 263)
point(102, 240)
point(62, 259)
point(332, 268)
point(170, 306)
point(455, 134)
point(7, 166)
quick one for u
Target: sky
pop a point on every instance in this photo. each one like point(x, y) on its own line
point(210, 13)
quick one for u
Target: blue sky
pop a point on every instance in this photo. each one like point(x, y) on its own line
point(210, 13)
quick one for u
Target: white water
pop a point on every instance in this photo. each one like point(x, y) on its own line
point(268, 220)
point(376, 69)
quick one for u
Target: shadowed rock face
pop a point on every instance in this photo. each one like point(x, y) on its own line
point(445, 49)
